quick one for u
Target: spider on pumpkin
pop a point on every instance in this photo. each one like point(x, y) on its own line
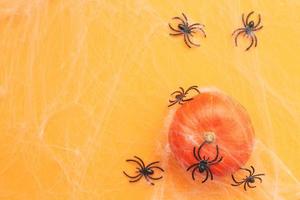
point(203, 164)
point(181, 94)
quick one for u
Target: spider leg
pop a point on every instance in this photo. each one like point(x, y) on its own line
point(180, 102)
point(217, 155)
point(196, 24)
point(211, 175)
point(186, 41)
point(188, 38)
point(216, 162)
point(156, 167)
point(130, 176)
point(153, 178)
point(239, 29)
point(206, 176)
point(245, 188)
point(256, 29)
point(172, 104)
point(130, 160)
point(258, 178)
point(253, 170)
point(175, 34)
point(192, 88)
point(238, 182)
point(249, 16)
point(236, 37)
point(184, 17)
point(146, 177)
point(179, 19)
point(188, 89)
point(250, 186)
point(202, 32)
point(184, 100)
point(171, 101)
point(139, 178)
point(140, 161)
point(204, 158)
point(152, 164)
point(219, 160)
point(258, 23)
point(182, 90)
point(245, 169)
point(193, 173)
point(199, 149)
point(190, 167)
point(195, 155)
point(255, 40)
point(200, 29)
point(258, 175)
point(192, 27)
point(173, 29)
point(182, 21)
point(243, 19)
point(252, 40)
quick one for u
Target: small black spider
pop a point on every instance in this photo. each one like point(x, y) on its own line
point(143, 171)
point(204, 164)
point(249, 179)
point(186, 30)
point(181, 94)
point(249, 28)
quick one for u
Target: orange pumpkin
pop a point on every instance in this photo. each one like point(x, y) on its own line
point(216, 118)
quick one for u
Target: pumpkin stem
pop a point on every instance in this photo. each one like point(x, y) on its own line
point(209, 136)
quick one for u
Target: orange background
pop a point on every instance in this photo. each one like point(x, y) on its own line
point(85, 85)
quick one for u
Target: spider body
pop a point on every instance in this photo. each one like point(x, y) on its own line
point(248, 30)
point(249, 179)
point(180, 95)
point(183, 28)
point(146, 171)
point(203, 164)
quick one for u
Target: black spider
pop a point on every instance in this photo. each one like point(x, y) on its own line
point(204, 164)
point(248, 180)
point(181, 94)
point(186, 30)
point(249, 28)
point(143, 171)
